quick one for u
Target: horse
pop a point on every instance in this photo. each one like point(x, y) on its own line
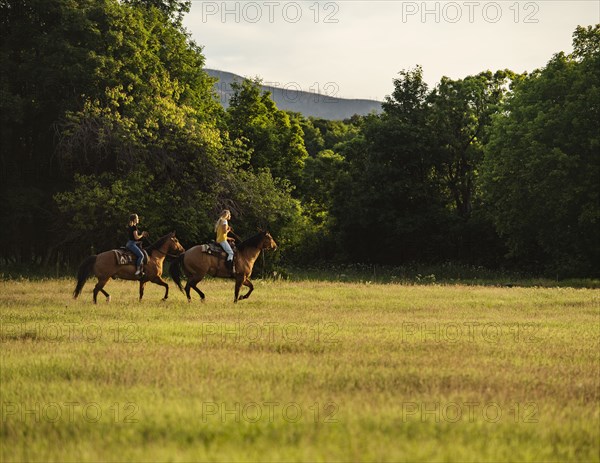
point(197, 264)
point(105, 266)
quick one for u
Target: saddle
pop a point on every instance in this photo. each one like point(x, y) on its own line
point(125, 257)
point(214, 249)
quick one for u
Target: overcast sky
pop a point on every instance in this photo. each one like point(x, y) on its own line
point(353, 49)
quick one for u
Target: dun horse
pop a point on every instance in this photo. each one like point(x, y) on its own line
point(197, 264)
point(105, 266)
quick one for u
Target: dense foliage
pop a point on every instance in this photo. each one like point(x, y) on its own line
point(542, 169)
point(106, 110)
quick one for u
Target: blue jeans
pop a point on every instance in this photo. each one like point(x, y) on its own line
point(133, 247)
point(227, 248)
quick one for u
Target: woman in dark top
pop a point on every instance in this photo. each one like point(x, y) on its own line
point(134, 237)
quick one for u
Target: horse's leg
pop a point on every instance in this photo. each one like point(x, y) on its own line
point(105, 294)
point(239, 279)
point(98, 288)
point(191, 284)
point(200, 293)
point(249, 284)
point(142, 286)
point(159, 281)
point(187, 291)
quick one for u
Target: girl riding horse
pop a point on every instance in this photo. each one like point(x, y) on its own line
point(134, 239)
point(196, 263)
point(106, 266)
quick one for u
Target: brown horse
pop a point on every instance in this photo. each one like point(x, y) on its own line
point(104, 266)
point(197, 264)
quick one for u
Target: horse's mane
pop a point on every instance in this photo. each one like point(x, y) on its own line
point(252, 242)
point(158, 243)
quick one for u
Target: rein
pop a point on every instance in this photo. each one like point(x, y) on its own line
point(166, 253)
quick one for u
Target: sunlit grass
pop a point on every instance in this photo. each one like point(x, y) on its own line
point(301, 371)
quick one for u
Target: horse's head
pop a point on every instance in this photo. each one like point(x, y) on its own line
point(175, 246)
point(268, 242)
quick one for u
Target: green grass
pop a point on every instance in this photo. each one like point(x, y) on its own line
point(449, 273)
point(301, 371)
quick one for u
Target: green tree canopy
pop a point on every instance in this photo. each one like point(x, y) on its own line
point(542, 163)
point(106, 110)
point(273, 137)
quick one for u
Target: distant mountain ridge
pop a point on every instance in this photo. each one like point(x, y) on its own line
point(307, 103)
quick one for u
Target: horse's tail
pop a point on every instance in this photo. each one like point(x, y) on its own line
point(175, 271)
point(85, 269)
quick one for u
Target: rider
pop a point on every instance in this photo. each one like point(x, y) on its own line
point(222, 228)
point(133, 244)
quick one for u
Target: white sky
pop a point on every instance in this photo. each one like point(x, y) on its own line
point(353, 49)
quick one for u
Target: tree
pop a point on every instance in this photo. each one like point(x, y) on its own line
point(106, 110)
point(388, 205)
point(48, 58)
point(542, 166)
point(273, 137)
point(461, 113)
point(175, 10)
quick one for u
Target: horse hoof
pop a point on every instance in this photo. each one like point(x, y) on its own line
point(203, 300)
point(164, 299)
point(107, 299)
point(189, 299)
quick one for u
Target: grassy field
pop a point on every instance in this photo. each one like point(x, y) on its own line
point(301, 371)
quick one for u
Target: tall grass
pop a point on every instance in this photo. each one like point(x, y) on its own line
point(411, 273)
point(301, 371)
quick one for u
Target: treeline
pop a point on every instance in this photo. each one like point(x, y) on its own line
point(106, 110)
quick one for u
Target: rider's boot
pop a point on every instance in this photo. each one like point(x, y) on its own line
point(229, 266)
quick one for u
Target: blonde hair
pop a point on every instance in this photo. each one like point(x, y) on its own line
point(132, 218)
point(224, 213)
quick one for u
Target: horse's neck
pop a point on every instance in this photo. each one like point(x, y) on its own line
point(251, 254)
point(159, 254)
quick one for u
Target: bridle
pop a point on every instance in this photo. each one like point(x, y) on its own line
point(166, 254)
